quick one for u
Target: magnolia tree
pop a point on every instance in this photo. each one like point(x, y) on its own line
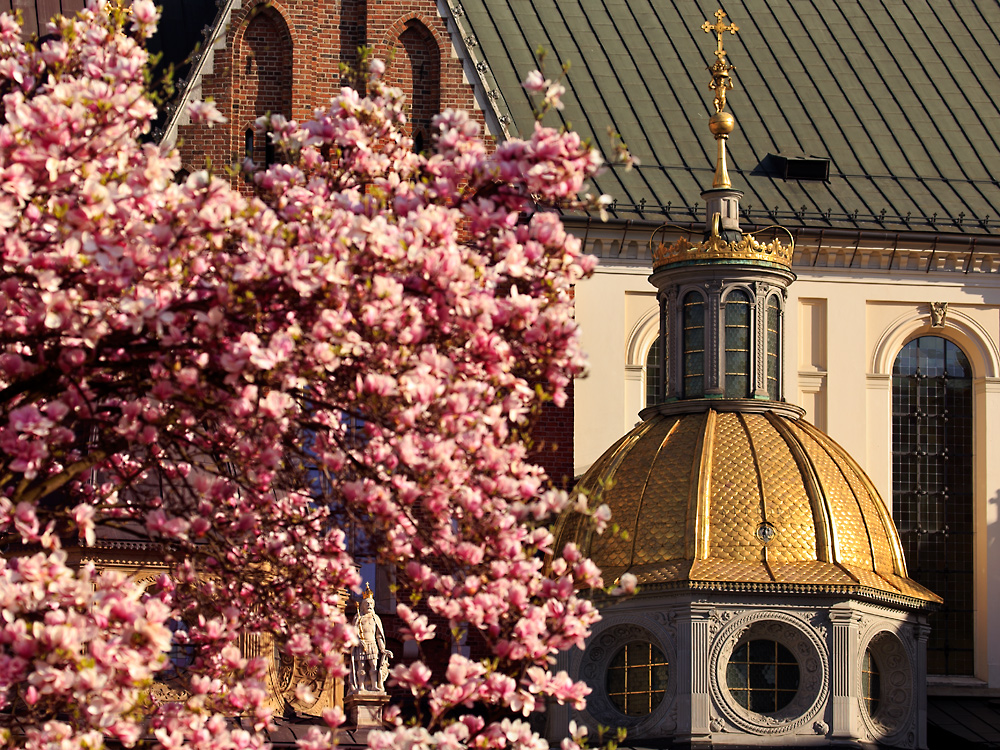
point(239, 380)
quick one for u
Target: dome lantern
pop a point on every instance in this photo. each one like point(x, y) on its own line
point(722, 299)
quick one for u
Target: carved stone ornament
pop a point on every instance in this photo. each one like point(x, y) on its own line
point(602, 647)
point(819, 621)
point(717, 619)
point(809, 650)
point(939, 311)
point(896, 702)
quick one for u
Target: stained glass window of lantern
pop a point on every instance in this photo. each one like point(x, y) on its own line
point(654, 377)
point(773, 350)
point(737, 344)
point(693, 319)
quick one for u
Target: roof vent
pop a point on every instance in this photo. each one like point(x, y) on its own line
point(795, 167)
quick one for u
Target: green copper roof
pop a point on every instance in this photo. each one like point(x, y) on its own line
point(900, 97)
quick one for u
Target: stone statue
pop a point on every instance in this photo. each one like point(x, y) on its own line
point(939, 311)
point(370, 658)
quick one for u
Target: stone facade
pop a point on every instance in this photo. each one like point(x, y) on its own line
point(828, 637)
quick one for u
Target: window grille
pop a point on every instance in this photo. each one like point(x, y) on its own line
point(932, 408)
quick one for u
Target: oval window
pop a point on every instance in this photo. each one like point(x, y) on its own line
point(763, 676)
point(871, 683)
point(637, 678)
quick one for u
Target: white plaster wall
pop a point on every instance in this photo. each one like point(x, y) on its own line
point(607, 402)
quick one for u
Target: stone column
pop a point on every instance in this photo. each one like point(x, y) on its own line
point(987, 529)
point(694, 698)
point(758, 340)
point(844, 671)
point(715, 352)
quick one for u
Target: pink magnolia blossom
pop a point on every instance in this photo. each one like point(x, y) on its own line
point(365, 342)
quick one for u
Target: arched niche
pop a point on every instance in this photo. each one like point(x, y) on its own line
point(416, 69)
point(262, 78)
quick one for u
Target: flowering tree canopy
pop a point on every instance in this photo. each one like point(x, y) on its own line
point(239, 380)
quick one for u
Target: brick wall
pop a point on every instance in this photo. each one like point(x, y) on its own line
point(552, 441)
point(285, 56)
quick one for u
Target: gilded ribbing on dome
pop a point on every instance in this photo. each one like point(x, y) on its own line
point(691, 491)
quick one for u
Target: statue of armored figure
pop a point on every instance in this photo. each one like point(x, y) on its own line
point(370, 658)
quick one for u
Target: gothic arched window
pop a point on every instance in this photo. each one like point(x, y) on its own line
point(693, 361)
point(262, 82)
point(932, 409)
point(654, 377)
point(417, 70)
point(773, 350)
point(737, 344)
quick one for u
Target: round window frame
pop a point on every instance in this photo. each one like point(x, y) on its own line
point(896, 677)
point(805, 645)
point(602, 647)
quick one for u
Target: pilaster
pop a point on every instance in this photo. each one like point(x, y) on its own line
point(758, 325)
point(715, 353)
point(921, 632)
point(694, 707)
point(844, 671)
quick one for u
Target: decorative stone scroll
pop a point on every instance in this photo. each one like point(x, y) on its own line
point(814, 674)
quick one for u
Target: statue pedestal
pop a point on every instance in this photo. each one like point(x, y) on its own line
point(364, 708)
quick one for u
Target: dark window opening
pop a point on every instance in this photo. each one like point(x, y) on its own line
point(763, 676)
point(794, 167)
point(932, 408)
point(773, 350)
point(269, 153)
point(871, 684)
point(637, 678)
point(693, 319)
point(654, 377)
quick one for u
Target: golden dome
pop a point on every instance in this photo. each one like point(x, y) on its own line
point(746, 502)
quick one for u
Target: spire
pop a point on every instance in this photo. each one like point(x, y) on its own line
point(722, 122)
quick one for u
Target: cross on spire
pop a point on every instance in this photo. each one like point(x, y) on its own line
point(721, 123)
point(720, 28)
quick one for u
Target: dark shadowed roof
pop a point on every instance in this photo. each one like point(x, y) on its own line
point(968, 722)
point(899, 97)
point(36, 13)
point(181, 29)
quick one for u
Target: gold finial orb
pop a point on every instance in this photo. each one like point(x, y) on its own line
point(722, 123)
